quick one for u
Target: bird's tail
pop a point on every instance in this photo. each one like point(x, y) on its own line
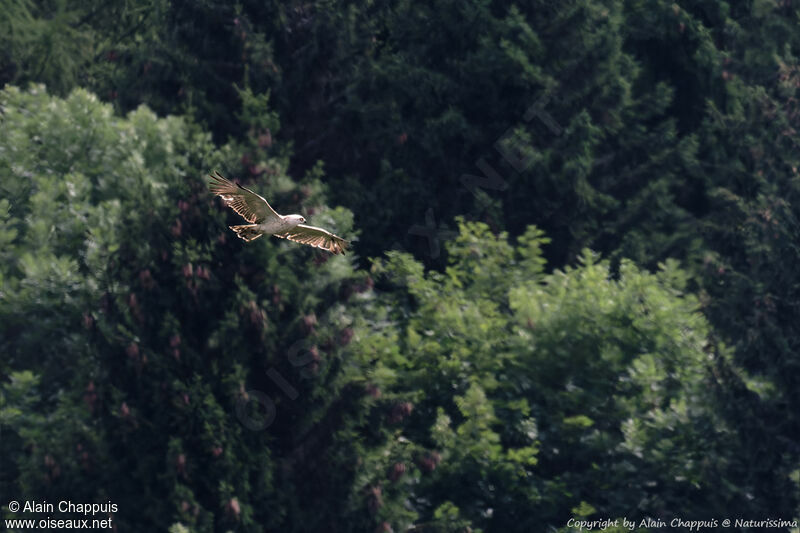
point(247, 232)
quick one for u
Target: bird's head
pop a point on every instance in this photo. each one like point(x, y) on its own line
point(297, 219)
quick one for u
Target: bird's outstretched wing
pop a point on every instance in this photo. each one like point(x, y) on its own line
point(252, 207)
point(316, 237)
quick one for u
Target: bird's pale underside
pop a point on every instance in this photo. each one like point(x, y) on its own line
point(264, 220)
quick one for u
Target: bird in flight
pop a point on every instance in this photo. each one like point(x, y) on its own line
point(264, 220)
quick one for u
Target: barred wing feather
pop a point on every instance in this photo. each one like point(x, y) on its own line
point(317, 237)
point(252, 207)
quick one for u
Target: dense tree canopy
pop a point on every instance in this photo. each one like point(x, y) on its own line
point(473, 365)
point(544, 393)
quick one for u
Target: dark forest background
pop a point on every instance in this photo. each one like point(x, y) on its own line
point(574, 291)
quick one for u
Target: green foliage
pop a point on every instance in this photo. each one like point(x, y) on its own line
point(134, 326)
point(542, 392)
point(642, 130)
